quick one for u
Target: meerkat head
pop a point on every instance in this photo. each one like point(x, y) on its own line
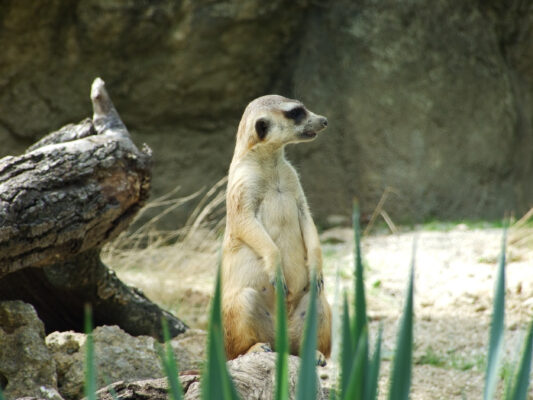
point(275, 121)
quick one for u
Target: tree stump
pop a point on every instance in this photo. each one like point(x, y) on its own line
point(70, 193)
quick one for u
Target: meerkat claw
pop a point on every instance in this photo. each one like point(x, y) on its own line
point(267, 348)
point(320, 359)
point(260, 348)
point(319, 284)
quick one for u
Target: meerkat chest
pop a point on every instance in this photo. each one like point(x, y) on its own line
point(278, 208)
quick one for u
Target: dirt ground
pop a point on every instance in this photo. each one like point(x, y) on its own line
point(454, 281)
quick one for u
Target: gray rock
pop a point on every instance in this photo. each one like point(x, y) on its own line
point(26, 365)
point(118, 357)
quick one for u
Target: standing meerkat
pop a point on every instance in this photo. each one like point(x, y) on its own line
point(268, 223)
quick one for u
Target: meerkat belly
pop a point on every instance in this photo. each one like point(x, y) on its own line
point(279, 215)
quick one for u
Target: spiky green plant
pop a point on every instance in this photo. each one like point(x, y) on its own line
point(169, 364)
point(306, 387)
point(400, 383)
point(359, 371)
point(90, 368)
point(496, 330)
point(282, 343)
point(216, 381)
point(518, 384)
point(517, 389)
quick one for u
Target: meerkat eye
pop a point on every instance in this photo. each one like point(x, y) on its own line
point(296, 114)
point(261, 127)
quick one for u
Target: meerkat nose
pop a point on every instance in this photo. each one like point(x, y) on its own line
point(324, 121)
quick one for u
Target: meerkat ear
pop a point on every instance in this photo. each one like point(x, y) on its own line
point(261, 127)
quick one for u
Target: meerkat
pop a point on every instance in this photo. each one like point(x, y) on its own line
point(268, 223)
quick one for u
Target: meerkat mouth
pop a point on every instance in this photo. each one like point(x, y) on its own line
point(308, 135)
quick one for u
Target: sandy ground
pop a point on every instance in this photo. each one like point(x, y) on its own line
point(454, 282)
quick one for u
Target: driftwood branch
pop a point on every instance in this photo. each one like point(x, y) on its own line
point(71, 192)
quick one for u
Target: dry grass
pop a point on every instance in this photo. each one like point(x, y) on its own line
point(521, 236)
point(174, 268)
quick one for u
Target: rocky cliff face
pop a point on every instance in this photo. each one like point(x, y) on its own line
point(432, 99)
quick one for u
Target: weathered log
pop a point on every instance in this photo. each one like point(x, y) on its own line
point(71, 192)
point(65, 197)
point(254, 376)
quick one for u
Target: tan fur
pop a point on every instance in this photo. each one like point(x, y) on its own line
point(268, 222)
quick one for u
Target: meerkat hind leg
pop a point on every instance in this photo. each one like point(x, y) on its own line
point(297, 323)
point(248, 323)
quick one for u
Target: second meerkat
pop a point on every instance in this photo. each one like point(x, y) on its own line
point(269, 223)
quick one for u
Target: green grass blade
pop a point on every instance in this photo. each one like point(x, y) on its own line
point(216, 382)
point(521, 381)
point(110, 390)
point(90, 369)
point(356, 384)
point(360, 320)
point(371, 386)
point(306, 388)
point(400, 382)
point(282, 343)
point(170, 365)
point(1, 395)
point(497, 328)
point(347, 352)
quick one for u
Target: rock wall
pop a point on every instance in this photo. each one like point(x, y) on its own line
point(432, 99)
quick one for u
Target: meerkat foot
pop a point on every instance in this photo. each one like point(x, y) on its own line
point(320, 359)
point(319, 283)
point(260, 348)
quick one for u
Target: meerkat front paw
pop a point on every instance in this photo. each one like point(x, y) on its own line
point(320, 359)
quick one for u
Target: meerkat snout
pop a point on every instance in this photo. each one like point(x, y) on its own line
point(314, 125)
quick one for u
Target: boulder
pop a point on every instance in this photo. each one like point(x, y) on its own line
point(26, 365)
point(118, 357)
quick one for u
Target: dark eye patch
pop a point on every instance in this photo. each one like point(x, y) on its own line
point(297, 114)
